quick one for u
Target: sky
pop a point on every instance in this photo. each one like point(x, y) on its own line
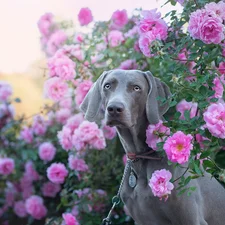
point(19, 39)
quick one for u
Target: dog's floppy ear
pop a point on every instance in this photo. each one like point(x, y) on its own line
point(154, 108)
point(92, 102)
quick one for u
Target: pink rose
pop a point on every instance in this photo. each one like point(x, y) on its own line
point(5, 91)
point(7, 166)
point(145, 42)
point(50, 190)
point(214, 116)
point(183, 106)
point(26, 134)
point(218, 86)
point(152, 23)
point(63, 115)
point(55, 88)
point(65, 138)
point(39, 125)
point(20, 209)
point(206, 26)
point(178, 147)
point(57, 173)
point(115, 38)
point(56, 40)
point(217, 8)
point(69, 219)
point(45, 24)
point(47, 151)
point(109, 132)
point(81, 91)
point(160, 183)
point(85, 16)
point(129, 64)
point(156, 133)
point(35, 207)
point(119, 18)
point(77, 164)
point(61, 66)
point(222, 68)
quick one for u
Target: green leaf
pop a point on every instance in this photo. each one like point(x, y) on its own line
point(205, 154)
point(220, 159)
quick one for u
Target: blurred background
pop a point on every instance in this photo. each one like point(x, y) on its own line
point(22, 62)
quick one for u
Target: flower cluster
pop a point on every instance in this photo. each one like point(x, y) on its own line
point(207, 24)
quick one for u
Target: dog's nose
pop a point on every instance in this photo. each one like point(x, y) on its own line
point(115, 109)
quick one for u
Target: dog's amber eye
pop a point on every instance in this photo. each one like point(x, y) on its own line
point(107, 86)
point(137, 88)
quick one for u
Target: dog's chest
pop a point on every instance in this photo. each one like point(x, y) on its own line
point(139, 198)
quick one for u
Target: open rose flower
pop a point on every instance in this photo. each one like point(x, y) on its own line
point(160, 183)
point(85, 16)
point(178, 147)
point(57, 173)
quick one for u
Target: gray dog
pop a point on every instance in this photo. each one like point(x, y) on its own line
point(128, 99)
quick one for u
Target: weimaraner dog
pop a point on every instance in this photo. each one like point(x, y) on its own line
point(128, 100)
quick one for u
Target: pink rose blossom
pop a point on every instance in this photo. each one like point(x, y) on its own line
point(63, 115)
point(45, 24)
point(212, 31)
point(156, 133)
point(81, 91)
point(77, 164)
point(56, 40)
point(88, 133)
point(39, 125)
point(160, 183)
point(222, 68)
point(178, 147)
point(129, 64)
point(61, 66)
point(50, 190)
point(145, 42)
point(218, 86)
point(85, 16)
point(206, 26)
point(7, 166)
point(115, 38)
point(47, 151)
point(217, 8)
point(69, 219)
point(65, 138)
point(57, 173)
point(5, 91)
point(66, 102)
point(55, 88)
point(74, 122)
point(109, 132)
point(35, 207)
point(30, 171)
point(214, 116)
point(20, 209)
point(183, 106)
point(26, 134)
point(152, 23)
point(119, 18)
point(79, 38)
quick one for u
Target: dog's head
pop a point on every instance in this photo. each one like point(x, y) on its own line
point(124, 95)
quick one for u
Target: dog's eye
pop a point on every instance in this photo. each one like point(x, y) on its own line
point(137, 88)
point(107, 86)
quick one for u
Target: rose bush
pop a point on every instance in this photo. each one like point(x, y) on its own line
point(58, 168)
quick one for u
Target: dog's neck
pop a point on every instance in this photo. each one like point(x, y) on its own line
point(133, 138)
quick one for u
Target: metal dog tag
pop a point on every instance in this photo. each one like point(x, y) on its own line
point(132, 179)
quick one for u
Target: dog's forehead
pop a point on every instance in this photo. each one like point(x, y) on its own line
point(126, 76)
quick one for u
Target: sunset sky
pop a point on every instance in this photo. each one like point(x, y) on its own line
point(19, 40)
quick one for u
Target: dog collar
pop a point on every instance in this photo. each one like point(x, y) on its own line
point(134, 157)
